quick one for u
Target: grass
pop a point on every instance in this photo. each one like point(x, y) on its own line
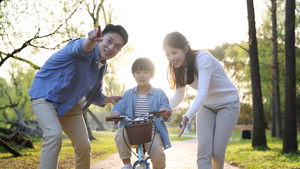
point(239, 152)
point(101, 148)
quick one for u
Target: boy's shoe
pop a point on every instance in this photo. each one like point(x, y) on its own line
point(127, 166)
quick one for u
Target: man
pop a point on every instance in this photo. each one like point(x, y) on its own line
point(69, 81)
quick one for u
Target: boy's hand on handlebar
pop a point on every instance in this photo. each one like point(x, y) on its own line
point(166, 114)
point(115, 114)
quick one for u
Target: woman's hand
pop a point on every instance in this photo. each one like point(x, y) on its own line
point(184, 123)
point(111, 99)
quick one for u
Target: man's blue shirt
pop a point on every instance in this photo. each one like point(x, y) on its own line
point(68, 75)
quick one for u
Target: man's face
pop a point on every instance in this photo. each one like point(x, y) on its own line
point(110, 46)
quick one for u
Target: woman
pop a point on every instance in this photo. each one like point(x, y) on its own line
point(216, 103)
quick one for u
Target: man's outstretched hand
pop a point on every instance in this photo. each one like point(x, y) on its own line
point(95, 34)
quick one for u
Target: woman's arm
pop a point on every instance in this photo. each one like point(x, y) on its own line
point(177, 97)
point(205, 71)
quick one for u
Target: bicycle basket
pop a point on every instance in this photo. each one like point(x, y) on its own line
point(139, 133)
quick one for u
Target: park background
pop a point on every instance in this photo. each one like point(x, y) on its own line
point(32, 30)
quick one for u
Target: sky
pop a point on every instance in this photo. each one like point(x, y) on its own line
point(205, 23)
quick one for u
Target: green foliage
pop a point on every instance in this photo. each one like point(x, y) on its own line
point(236, 62)
point(14, 94)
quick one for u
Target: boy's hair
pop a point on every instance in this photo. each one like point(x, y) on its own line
point(110, 28)
point(143, 64)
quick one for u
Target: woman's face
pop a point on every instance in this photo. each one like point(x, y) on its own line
point(176, 56)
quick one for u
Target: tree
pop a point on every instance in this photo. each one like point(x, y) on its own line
point(276, 91)
point(16, 99)
point(259, 137)
point(5, 102)
point(93, 9)
point(290, 126)
point(45, 33)
point(16, 41)
point(112, 88)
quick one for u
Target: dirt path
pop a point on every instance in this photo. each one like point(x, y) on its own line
point(182, 155)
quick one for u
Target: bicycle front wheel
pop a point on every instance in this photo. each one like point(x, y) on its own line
point(141, 165)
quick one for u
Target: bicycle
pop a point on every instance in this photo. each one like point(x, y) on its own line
point(139, 132)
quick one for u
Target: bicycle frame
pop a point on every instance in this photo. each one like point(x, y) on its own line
point(141, 163)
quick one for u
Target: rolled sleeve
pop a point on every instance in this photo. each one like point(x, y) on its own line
point(76, 49)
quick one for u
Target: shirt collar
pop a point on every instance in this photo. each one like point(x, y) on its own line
point(135, 90)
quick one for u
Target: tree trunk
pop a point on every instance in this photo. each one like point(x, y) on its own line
point(276, 92)
point(273, 132)
point(19, 139)
point(21, 126)
point(259, 136)
point(5, 131)
point(91, 137)
point(290, 126)
point(101, 127)
point(9, 148)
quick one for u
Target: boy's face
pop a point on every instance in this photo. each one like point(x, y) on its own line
point(110, 46)
point(142, 77)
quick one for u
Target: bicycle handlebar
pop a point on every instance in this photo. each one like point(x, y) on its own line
point(120, 118)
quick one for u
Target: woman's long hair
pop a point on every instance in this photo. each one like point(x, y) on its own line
point(176, 75)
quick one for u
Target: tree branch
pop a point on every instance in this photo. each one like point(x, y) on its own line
point(9, 148)
point(242, 47)
point(28, 43)
point(7, 106)
point(27, 61)
point(44, 47)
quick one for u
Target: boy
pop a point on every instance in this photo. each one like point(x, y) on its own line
point(139, 101)
point(69, 81)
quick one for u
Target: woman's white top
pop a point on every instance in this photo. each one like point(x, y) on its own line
point(212, 84)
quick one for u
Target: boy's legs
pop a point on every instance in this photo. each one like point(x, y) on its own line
point(74, 126)
point(157, 154)
point(123, 150)
point(48, 120)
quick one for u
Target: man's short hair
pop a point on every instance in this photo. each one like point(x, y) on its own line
point(110, 28)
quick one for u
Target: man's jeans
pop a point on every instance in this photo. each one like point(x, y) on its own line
point(72, 123)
